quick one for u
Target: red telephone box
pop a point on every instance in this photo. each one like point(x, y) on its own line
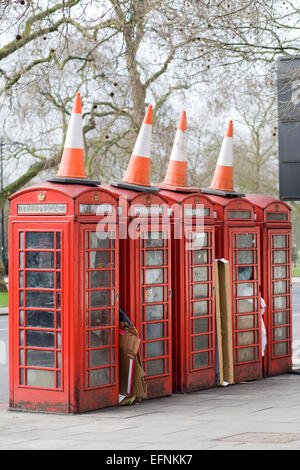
point(237, 240)
point(63, 305)
point(273, 218)
point(145, 281)
point(193, 302)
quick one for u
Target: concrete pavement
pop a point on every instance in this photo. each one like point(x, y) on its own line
point(263, 414)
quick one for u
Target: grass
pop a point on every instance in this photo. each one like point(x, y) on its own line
point(3, 299)
point(296, 271)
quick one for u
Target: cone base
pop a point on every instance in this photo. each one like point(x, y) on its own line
point(179, 189)
point(66, 180)
point(135, 187)
point(220, 192)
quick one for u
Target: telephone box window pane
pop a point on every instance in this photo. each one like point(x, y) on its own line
point(40, 299)
point(99, 259)
point(245, 273)
point(154, 294)
point(21, 338)
point(246, 354)
point(155, 349)
point(21, 298)
point(154, 312)
point(155, 331)
point(201, 360)
point(21, 279)
point(154, 276)
point(21, 319)
point(100, 240)
point(40, 240)
point(57, 260)
point(100, 357)
point(279, 241)
point(40, 339)
point(245, 289)
point(199, 256)
point(277, 216)
point(200, 308)
point(246, 337)
point(199, 239)
point(280, 287)
point(21, 260)
point(281, 333)
point(280, 349)
point(37, 358)
point(58, 240)
point(39, 319)
point(39, 260)
point(245, 305)
point(99, 377)
point(201, 342)
point(40, 378)
point(40, 279)
point(280, 272)
point(21, 376)
point(100, 338)
point(155, 367)
point(200, 291)
point(239, 214)
point(281, 318)
point(100, 279)
point(154, 258)
point(21, 240)
point(245, 322)
point(245, 240)
point(154, 240)
point(201, 325)
point(245, 257)
point(280, 257)
point(200, 274)
point(100, 298)
point(280, 303)
point(100, 318)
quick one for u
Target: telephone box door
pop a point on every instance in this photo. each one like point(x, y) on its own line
point(245, 262)
point(39, 335)
point(99, 315)
point(200, 338)
point(279, 310)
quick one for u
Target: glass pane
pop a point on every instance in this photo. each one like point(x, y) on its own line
point(100, 338)
point(40, 299)
point(280, 272)
point(280, 349)
point(154, 257)
point(200, 274)
point(154, 312)
point(280, 241)
point(280, 257)
point(100, 357)
point(39, 259)
point(21, 260)
point(21, 298)
point(99, 259)
point(100, 240)
point(281, 333)
point(21, 279)
point(154, 239)
point(245, 240)
point(40, 280)
point(100, 279)
point(245, 273)
point(40, 240)
point(245, 289)
point(100, 318)
point(199, 239)
point(280, 287)
point(201, 342)
point(201, 325)
point(58, 240)
point(40, 378)
point(155, 331)
point(201, 360)
point(154, 276)
point(99, 377)
point(200, 291)
point(37, 358)
point(21, 240)
point(200, 308)
point(21, 318)
point(246, 321)
point(155, 349)
point(58, 279)
point(39, 318)
point(246, 354)
point(154, 294)
point(199, 256)
point(245, 305)
point(245, 257)
point(100, 298)
point(40, 339)
point(155, 367)
point(246, 337)
point(280, 303)
point(281, 318)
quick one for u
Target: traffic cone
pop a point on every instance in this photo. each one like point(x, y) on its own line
point(223, 176)
point(177, 169)
point(138, 170)
point(71, 168)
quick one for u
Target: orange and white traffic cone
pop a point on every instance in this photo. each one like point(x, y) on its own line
point(177, 169)
point(223, 176)
point(138, 170)
point(72, 161)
